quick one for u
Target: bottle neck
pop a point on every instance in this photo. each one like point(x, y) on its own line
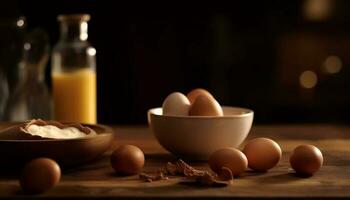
point(77, 31)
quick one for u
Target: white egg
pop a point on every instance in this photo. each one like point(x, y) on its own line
point(176, 104)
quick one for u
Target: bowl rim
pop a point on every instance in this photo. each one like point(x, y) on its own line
point(246, 112)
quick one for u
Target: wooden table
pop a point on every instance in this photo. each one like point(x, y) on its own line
point(97, 180)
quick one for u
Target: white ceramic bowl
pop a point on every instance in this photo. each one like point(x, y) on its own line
point(197, 137)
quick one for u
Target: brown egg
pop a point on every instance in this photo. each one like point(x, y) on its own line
point(230, 158)
point(40, 175)
point(193, 94)
point(262, 154)
point(205, 106)
point(127, 160)
point(306, 159)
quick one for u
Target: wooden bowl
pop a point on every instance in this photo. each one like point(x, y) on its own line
point(66, 152)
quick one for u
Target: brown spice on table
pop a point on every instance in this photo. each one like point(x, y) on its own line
point(192, 175)
point(171, 169)
point(150, 177)
point(183, 169)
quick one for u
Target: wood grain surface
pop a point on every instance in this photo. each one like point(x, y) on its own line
point(97, 180)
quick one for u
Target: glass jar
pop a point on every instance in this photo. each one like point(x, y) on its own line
point(13, 33)
point(31, 98)
point(3, 93)
point(73, 72)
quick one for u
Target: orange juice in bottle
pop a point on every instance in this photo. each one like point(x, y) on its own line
point(73, 72)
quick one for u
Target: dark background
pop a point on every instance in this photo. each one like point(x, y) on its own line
point(246, 53)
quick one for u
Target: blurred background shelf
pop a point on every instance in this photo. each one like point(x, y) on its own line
point(286, 60)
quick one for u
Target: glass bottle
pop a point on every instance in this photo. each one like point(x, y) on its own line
point(3, 93)
point(31, 98)
point(73, 72)
point(13, 35)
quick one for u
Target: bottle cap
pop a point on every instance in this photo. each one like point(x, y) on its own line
point(73, 17)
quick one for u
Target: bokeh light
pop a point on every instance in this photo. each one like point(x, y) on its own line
point(20, 22)
point(91, 51)
point(332, 65)
point(317, 10)
point(27, 46)
point(308, 79)
point(84, 28)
